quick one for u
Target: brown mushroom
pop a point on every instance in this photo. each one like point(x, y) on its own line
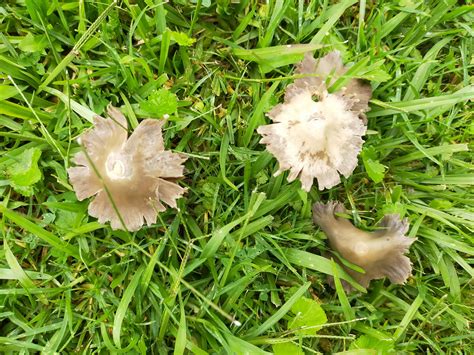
point(130, 177)
point(379, 253)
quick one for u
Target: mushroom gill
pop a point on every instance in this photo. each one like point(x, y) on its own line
point(318, 138)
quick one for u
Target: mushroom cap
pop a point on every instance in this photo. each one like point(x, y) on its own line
point(128, 176)
point(318, 139)
point(380, 253)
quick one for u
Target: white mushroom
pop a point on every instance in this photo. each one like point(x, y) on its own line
point(127, 176)
point(318, 139)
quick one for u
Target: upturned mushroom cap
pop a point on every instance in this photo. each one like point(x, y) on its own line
point(318, 139)
point(379, 253)
point(128, 177)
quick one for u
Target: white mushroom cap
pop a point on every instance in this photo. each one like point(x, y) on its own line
point(128, 174)
point(318, 139)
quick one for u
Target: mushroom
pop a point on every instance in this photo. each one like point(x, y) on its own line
point(379, 253)
point(318, 139)
point(130, 177)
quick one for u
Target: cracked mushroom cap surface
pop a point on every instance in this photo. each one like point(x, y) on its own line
point(380, 253)
point(130, 178)
point(318, 138)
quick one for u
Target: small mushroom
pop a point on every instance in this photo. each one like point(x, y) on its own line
point(379, 253)
point(318, 139)
point(129, 176)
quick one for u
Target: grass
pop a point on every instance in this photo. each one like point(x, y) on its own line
point(237, 267)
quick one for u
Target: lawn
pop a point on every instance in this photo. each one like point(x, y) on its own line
point(239, 267)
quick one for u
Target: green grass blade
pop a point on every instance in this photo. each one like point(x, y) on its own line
point(334, 13)
point(448, 100)
point(19, 273)
point(122, 308)
point(410, 314)
point(180, 343)
point(279, 9)
point(81, 110)
point(274, 318)
point(257, 118)
point(75, 50)
point(41, 233)
point(270, 58)
point(14, 110)
point(444, 149)
point(317, 263)
point(346, 306)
